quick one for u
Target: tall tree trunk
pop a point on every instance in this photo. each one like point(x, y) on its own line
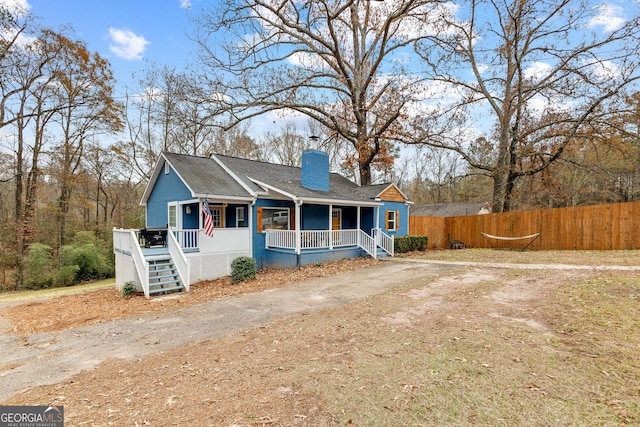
point(18, 216)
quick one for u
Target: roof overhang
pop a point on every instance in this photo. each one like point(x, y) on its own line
point(154, 177)
point(316, 200)
point(225, 198)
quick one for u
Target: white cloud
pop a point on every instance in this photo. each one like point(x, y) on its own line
point(605, 70)
point(185, 4)
point(127, 44)
point(17, 7)
point(537, 70)
point(610, 17)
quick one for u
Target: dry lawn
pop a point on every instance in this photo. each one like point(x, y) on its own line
point(478, 346)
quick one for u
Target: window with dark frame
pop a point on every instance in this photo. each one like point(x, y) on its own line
point(275, 218)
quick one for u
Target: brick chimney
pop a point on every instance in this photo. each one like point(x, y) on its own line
point(315, 170)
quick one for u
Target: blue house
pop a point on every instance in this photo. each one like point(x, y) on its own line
point(282, 216)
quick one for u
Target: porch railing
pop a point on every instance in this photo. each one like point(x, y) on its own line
point(188, 239)
point(181, 262)
point(367, 243)
point(127, 243)
point(312, 239)
point(329, 239)
point(383, 240)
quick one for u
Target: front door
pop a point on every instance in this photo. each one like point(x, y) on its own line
point(336, 223)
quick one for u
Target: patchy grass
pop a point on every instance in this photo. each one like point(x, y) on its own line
point(472, 347)
point(56, 292)
point(625, 258)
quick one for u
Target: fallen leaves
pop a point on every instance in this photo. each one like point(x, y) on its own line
point(73, 311)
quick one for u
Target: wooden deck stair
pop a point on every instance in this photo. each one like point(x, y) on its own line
point(163, 276)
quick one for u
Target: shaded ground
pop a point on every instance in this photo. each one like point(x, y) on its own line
point(406, 342)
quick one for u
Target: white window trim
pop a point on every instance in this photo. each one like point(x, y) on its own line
point(240, 217)
point(393, 221)
point(173, 205)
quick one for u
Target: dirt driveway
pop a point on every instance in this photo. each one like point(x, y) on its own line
point(237, 360)
point(48, 358)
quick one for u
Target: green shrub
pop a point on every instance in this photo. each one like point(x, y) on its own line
point(91, 264)
point(67, 275)
point(243, 268)
point(128, 289)
point(39, 267)
point(420, 242)
point(404, 244)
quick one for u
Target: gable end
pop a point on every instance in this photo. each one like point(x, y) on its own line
point(392, 194)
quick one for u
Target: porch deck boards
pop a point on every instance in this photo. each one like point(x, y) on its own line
point(149, 252)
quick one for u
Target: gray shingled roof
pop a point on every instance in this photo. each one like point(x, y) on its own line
point(446, 209)
point(205, 176)
point(373, 191)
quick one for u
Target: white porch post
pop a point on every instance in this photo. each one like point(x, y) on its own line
point(358, 225)
point(298, 232)
point(330, 227)
point(250, 224)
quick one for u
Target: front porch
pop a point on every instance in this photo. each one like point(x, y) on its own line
point(193, 256)
point(300, 241)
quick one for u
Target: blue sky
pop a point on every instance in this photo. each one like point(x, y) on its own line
point(126, 32)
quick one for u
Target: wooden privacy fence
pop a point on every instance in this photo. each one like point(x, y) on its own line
point(598, 227)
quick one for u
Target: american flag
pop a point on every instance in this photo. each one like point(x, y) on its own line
point(208, 220)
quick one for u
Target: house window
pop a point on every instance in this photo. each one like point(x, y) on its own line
point(172, 217)
point(240, 217)
point(392, 220)
point(216, 216)
point(273, 218)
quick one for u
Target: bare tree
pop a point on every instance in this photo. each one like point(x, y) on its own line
point(337, 62)
point(170, 110)
point(84, 92)
point(286, 146)
point(532, 76)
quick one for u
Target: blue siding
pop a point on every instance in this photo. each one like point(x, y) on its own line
point(230, 215)
point(168, 188)
point(289, 259)
point(349, 218)
point(190, 220)
point(315, 217)
point(367, 222)
point(315, 170)
point(403, 210)
point(259, 242)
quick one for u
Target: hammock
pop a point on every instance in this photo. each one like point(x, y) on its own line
point(487, 237)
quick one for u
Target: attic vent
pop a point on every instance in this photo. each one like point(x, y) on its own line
point(167, 169)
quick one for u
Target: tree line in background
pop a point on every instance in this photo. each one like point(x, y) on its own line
point(75, 155)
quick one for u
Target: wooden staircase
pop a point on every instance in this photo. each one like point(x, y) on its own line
point(163, 276)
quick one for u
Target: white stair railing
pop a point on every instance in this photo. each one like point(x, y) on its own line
point(367, 243)
point(180, 260)
point(383, 240)
point(142, 266)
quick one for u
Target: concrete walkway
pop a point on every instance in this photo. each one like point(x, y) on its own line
point(48, 358)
